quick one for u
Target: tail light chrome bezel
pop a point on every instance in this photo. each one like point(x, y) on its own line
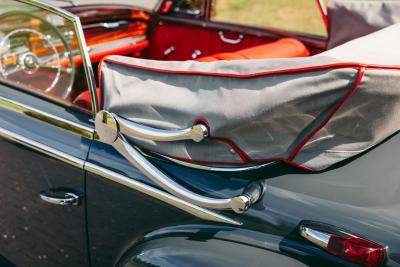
point(320, 234)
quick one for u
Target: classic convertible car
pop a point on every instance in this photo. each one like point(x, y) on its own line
point(174, 133)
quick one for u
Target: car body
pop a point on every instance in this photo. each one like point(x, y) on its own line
point(69, 198)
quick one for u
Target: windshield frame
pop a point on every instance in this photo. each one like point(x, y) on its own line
point(75, 21)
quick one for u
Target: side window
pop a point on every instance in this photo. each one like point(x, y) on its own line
point(298, 16)
point(39, 52)
point(188, 8)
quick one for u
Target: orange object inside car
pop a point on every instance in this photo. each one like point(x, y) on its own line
point(283, 48)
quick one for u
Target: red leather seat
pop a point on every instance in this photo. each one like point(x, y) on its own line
point(283, 48)
point(84, 100)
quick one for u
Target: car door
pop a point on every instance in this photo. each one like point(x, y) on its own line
point(44, 141)
point(191, 29)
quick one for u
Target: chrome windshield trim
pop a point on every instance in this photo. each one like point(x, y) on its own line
point(70, 126)
point(165, 197)
point(44, 149)
point(75, 20)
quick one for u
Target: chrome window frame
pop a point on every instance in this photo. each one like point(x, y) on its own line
point(76, 22)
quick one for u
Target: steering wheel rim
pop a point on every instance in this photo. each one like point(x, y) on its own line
point(58, 34)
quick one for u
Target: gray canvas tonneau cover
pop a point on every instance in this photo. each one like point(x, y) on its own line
point(350, 19)
point(309, 112)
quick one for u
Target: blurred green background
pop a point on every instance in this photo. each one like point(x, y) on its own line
point(293, 15)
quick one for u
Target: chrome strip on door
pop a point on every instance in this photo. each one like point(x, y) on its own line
point(49, 151)
point(111, 129)
point(195, 210)
point(46, 117)
point(211, 168)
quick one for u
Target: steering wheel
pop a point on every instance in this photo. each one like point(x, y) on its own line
point(40, 60)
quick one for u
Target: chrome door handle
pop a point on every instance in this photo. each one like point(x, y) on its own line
point(108, 128)
point(230, 41)
point(67, 198)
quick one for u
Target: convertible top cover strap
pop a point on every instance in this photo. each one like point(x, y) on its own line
point(310, 112)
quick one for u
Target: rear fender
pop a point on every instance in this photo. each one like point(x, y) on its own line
point(216, 246)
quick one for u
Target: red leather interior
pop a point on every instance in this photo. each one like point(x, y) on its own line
point(84, 99)
point(98, 56)
point(283, 48)
point(186, 39)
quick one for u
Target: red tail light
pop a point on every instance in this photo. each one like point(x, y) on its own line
point(356, 250)
point(344, 245)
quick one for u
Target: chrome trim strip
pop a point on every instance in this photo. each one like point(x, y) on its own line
point(210, 168)
point(87, 66)
point(318, 238)
point(73, 127)
point(165, 197)
point(49, 151)
point(197, 132)
point(109, 132)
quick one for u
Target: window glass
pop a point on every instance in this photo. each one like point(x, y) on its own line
point(298, 16)
point(190, 8)
point(39, 52)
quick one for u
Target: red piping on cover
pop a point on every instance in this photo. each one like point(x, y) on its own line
point(245, 158)
point(325, 122)
point(257, 74)
point(243, 155)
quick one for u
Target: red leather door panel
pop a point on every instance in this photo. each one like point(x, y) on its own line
point(184, 40)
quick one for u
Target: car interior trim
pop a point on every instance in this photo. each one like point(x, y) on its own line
point(165, 197)
point(49, 151)
point(73, 127)
point(269, 33)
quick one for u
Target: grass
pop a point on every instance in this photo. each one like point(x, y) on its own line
point(293, 15)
